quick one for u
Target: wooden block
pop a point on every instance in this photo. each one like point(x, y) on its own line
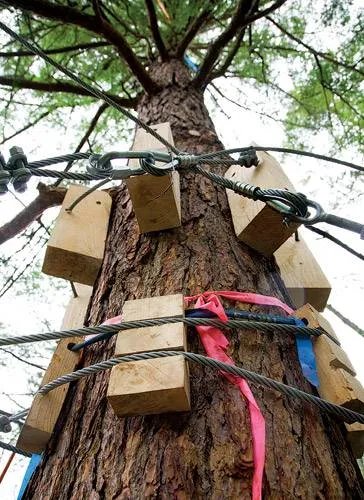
point(256, 224)
point(314, 319)
point(146, 142)
point(77, 307)
point(325, 348)
point(335, 371)
point(355, 437)
point(339, 387)
point(149, 387)
point(76, 247)
point(302, 274)
point(45, 410)
point(156, 200)
point(155, 338)
point(333, 354)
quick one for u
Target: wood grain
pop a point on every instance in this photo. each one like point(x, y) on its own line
point(45, 409)
point(156, 200)
point(76, 247)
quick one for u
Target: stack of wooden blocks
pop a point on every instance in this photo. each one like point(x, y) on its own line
point(337, 381)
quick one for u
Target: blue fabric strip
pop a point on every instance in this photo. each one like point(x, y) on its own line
point(306, 355)
point(32, 466)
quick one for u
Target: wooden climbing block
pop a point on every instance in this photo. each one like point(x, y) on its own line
point(156, 200)
point(255, 223)
point(45, 410)
point(154, 338)
point(76, 247)
point(314, 319)
point(302, 275)
point(148, 387)
point(337, 382)
point(151, 386)
point(355, 436)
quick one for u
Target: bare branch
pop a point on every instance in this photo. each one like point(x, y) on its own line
point(313, 51)
point(230, 56)
point(60, 50)
point(238, 21)
point(101, 27)
point(153, 21)
point(48, 197)
point(26, 127)
point(192, 32)
point(265, 12)
point(69, 88)
point(345, 320)
point(22, 360)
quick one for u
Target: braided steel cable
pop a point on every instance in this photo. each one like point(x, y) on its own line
point(14, 449)
point(128, 325)
point(206, 156)
point(59, 159)
point(66, 175)
point(344, 413)
point(296, 201)
point(92, 90)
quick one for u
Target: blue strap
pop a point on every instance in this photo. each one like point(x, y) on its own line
point(190, 63)
point(32, 466)
point(306, 355)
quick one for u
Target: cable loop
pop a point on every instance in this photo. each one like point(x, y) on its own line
point(95, 167)
point(4, 176)
point(5, 424)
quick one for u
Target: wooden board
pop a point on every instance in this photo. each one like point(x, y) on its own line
point(256, 224)
point(355, 437)
point(149, 387)
point(156, 200)
point(302, 275)
point(335, 371)
point(313, 318)
point(76, 247)
point(45, 410)
point(155, 338)
point(146, 142)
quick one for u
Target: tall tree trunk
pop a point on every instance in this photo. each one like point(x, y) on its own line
point(206, 453)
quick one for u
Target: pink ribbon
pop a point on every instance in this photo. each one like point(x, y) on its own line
point(215, 344)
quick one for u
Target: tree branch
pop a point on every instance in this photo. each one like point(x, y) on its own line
point(313, 51)
point(69, 15)
point(48, 197)
point(238, 21)
point(60, 50)
point(263, 13)
point(230, 56)
point(345, 320)
point(22, 360)
point(153, 21)
point(69, 88)
point(26, 127)
point(192, 32)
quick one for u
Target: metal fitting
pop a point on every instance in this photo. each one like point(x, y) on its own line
point(4, 176)
point(5, 424)
point(17, 165)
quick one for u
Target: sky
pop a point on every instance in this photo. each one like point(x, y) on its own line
point(236, 127)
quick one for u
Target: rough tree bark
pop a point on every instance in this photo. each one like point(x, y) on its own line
point(206, 453)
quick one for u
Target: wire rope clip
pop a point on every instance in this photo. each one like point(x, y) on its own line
point(4, 176)
point(152, 386)
point(17, 163)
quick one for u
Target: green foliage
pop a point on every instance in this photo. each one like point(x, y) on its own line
point(303, 58)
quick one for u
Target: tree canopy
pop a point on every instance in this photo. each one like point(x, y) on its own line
point(306, 56)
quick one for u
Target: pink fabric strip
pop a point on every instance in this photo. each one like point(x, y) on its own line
point(215, 344)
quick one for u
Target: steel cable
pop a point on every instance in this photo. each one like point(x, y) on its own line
point(344, 413)
point(14, 449)
point(128, 325)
